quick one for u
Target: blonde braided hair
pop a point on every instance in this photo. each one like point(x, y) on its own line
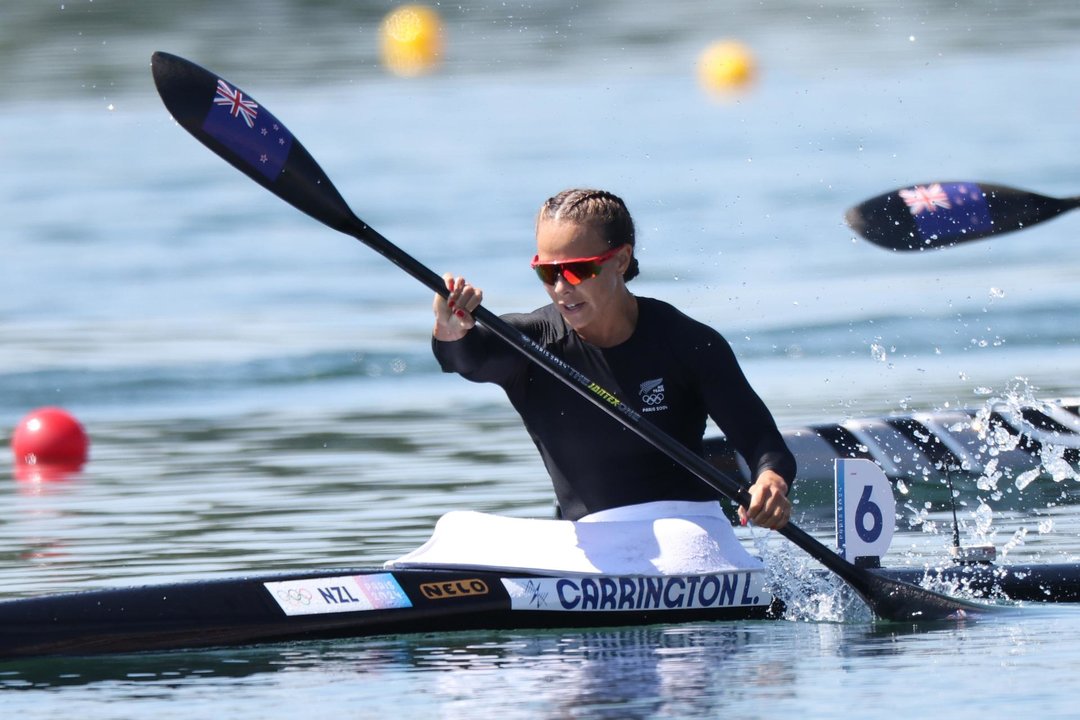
point(600, 209)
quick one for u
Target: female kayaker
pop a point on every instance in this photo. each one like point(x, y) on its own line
point(672, 369)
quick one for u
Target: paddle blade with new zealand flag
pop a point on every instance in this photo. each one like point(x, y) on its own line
point(233, 125)
point(942, 214)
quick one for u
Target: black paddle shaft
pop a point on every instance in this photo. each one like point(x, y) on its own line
point(941, 214)
point(246, 135)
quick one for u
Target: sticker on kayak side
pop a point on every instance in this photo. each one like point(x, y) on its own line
point(578, 594)
point(340, 594)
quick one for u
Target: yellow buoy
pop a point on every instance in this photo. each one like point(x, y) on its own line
point(411, 40)
point(725, 66)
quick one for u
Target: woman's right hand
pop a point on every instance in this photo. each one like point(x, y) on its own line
point(453, 314)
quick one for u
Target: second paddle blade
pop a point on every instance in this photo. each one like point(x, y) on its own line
point(942, 214)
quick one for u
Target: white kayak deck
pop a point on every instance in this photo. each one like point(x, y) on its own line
point(651, 539)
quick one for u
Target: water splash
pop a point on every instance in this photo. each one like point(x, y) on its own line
point(998, 439)
point(1016, 456)
point(809, 595)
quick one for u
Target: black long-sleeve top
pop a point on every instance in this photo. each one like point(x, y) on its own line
point(674, 370)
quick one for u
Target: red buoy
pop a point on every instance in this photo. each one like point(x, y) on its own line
point(50, 436)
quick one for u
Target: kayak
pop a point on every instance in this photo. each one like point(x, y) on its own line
point(655, 563)
point(354, 603)
point(346, 603)
point(667, 561)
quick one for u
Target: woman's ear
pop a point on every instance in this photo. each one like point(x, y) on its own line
point(625, 256)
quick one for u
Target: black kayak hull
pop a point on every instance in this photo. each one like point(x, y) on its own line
point(357, 603)
point(282, 607)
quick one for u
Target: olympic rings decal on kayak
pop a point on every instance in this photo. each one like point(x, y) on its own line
point(295, 596)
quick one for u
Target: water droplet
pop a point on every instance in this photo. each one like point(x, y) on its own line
point(1026, 478)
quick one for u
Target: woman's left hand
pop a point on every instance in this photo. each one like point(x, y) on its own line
point(769, 504)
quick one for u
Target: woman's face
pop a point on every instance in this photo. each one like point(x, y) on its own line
point(592, 304)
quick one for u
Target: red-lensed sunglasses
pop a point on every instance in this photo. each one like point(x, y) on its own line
point(574, 271)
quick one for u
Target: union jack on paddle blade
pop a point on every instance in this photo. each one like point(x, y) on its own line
point(944, 210)
point(248, 130)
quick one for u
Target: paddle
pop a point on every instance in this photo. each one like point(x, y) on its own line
point(243, 133)
point(943, 214)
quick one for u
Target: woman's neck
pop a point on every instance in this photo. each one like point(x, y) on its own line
point(619, 323)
